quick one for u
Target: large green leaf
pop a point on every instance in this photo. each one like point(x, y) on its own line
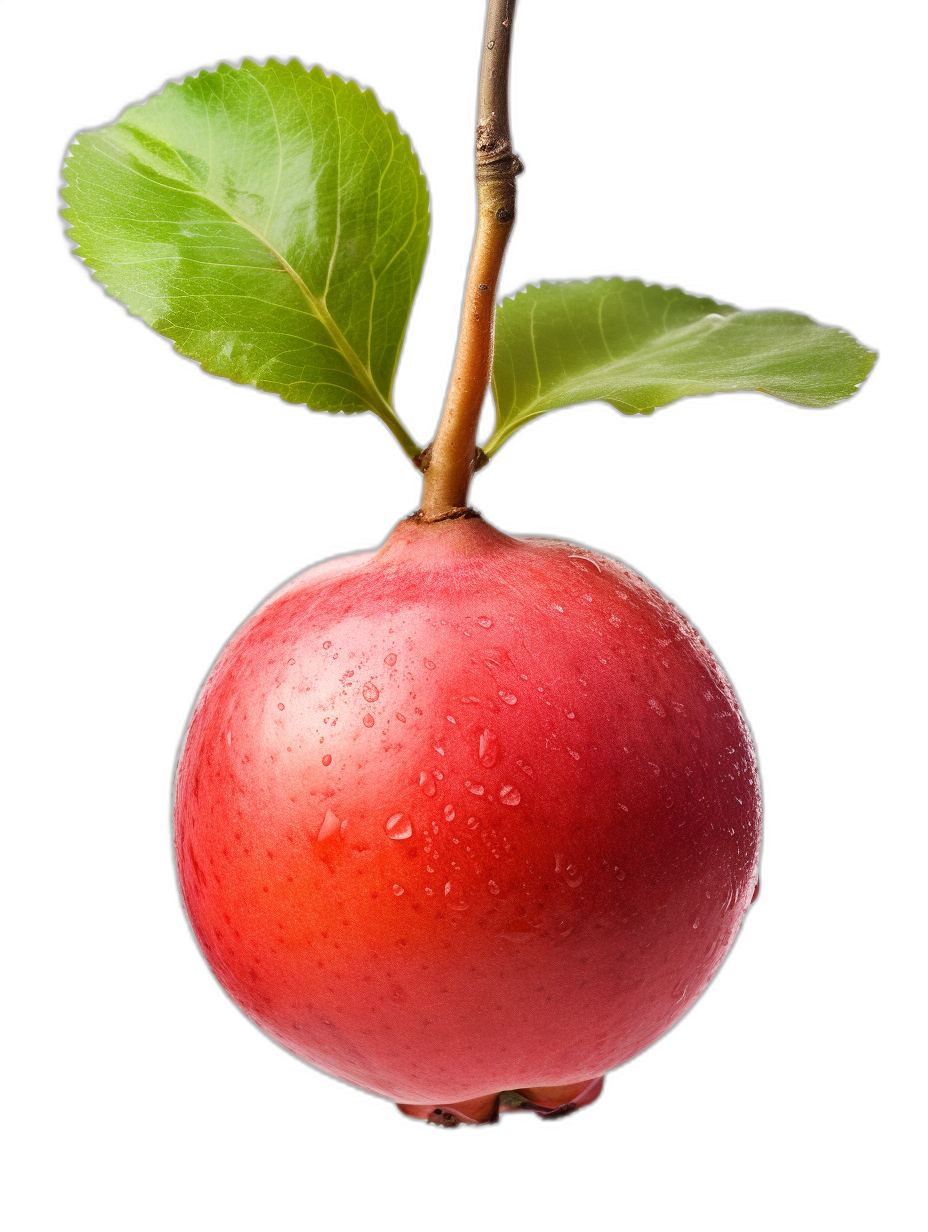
point(270, 220)
point(639, 347)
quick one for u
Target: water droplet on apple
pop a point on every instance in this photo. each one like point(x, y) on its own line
point(489, 748)
point(427, 783)
point(396, 827)
point(327, 760)
point(472, 823)
point(330, 826)
point(370, 692)
point(398, 890)
point(390, 660)
point(290, 662)
point(509, 795)
point(572, 876)
point(281, 706)
point(368, 720)
point(493, 887)
point(475, 789)
point(586, 561)
point(449, 812)
point(401, 717)
point(485, 622)
point(326, 645)
point(509, 698)
point(429, 664)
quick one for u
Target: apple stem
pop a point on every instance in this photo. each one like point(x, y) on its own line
point(448, 464)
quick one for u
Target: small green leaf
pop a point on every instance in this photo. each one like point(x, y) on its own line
point(270, 220)
point(639, 347)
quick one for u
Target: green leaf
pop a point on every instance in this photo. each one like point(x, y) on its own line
point(639, 347)
point(270, 220)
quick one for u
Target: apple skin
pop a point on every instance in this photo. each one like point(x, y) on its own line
point(572, 770)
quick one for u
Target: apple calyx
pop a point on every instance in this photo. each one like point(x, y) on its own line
point(546, 1102)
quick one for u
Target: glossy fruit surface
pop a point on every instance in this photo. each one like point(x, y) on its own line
point(466, 815)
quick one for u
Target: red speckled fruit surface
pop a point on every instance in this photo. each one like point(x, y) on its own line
point(467, 815)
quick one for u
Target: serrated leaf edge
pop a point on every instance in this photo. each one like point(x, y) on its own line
point(499, 436)
point(379, 405)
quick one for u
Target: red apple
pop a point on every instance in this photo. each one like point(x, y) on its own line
point(468, 815)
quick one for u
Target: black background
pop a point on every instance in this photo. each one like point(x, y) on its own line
point(735, 169)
